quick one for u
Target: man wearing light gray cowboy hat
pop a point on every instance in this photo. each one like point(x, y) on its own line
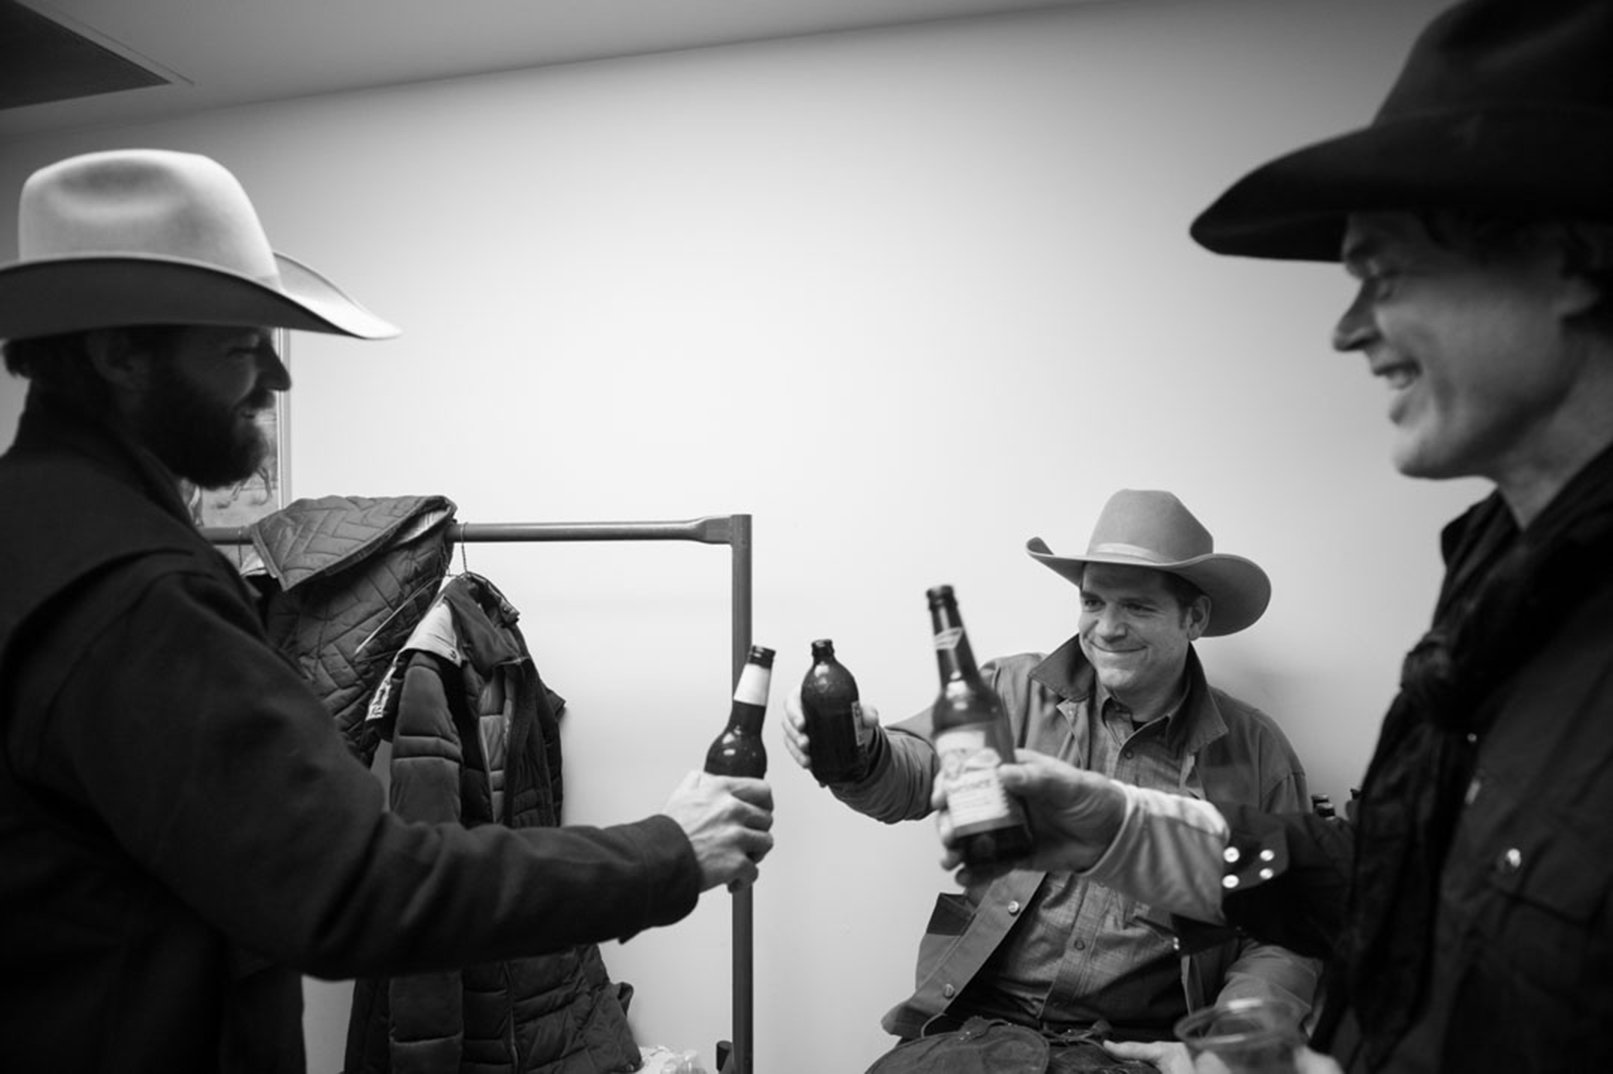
point(1465, 916)
point(1126, 697)
point(183, 830)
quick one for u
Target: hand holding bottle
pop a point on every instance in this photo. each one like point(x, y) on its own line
point(1075, 814)
point(798, 744)
point(728, 821)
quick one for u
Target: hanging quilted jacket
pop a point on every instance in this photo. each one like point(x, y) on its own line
point(348, 579)
point(475, 740)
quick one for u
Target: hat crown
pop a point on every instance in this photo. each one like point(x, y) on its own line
point(1512, 54)
point(147, 204)
point(1151, 525)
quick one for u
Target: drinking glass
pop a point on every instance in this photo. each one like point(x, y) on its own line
point(1253, 1035)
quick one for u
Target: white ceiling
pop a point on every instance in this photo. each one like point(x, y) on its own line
point(229, 52)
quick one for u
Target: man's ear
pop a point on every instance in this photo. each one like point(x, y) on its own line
point(1198, 617)
point(124, 368)
point(1576, 296)
point(1583, 256)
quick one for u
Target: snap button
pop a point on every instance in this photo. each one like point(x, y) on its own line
point(1510, 861)
point(1013, 907)
point(1266, 874)
point(1229, 882)
point(1268, 855)
point(948, 991)
point(1080, 945)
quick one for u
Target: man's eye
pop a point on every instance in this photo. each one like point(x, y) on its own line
point(1379, 274)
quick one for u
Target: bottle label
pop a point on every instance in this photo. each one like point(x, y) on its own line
point(948, 638)
point(969, 767)
point(753, 682)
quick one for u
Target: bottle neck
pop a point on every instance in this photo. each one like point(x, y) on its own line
point(746, 719)
point(954, 658)
point(750, 698)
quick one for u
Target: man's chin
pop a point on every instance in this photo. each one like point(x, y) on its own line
point(222, 473)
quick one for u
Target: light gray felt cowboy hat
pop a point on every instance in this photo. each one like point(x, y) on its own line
point(148, 237)
point(1147, 528)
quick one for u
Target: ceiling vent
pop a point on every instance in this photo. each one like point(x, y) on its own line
point(42, 60)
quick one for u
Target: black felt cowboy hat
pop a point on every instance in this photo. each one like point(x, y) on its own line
point(1503, 106)
point(149, 236)
point(1152, 529)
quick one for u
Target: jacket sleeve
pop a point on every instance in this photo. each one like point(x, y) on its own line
point(901, 775)
point(1260, 967)
point(217, 771)
point(1303, 905)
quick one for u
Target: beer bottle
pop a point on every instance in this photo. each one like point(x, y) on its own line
point(738, 751)
point(972, 737)
point(828, 697)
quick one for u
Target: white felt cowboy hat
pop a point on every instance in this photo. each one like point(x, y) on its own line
point(1145, 528)
point(149, 236)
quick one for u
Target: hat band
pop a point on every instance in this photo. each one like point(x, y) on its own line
point(1115, 548)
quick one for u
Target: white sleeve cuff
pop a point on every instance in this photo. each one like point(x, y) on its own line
point(1168, 853)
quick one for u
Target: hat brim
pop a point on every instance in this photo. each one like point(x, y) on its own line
point(1522, 162)
point(52, 296)
point(1238, 589)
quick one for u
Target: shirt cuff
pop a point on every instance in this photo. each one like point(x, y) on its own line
point(1169, 853)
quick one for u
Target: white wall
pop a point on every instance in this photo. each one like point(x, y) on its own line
point(909, 297)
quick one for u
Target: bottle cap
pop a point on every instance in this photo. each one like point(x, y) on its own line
point(761, 654)
point(939, 594)
point(823, 647)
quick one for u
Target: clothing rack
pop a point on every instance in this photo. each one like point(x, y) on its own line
point(735, 532)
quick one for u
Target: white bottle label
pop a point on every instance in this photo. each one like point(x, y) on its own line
point(969, 770)
point(753, 683)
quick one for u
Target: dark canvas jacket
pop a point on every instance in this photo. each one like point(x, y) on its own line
point(476, 740)
point(1512, 968)
point(184, 833)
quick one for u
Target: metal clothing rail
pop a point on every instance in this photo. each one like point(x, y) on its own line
point(735, 532)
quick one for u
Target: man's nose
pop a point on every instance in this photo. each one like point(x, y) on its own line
point(272, 372)
point(1356, 327)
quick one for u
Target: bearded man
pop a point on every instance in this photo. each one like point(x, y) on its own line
point(184, 831)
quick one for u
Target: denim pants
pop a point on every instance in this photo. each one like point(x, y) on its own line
point(994, 1046)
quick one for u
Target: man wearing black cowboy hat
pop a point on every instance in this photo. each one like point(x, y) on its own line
point(1127, 697)
point(182, 829)
point(1466, 918)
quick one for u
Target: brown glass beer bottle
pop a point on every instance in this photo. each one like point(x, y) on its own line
point(738, 751)
point(972, 737)
point(828, 705)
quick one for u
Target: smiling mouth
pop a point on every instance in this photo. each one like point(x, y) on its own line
point(1400, 375)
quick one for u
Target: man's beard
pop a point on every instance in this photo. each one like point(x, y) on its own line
point(201, 440)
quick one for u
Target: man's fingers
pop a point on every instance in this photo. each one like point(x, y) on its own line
point(756, 792)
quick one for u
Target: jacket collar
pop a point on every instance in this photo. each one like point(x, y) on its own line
point(53, 424)
point(1067, 672)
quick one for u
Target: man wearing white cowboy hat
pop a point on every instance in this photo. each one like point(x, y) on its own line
point(183, 831)
point(1466, 916)
point(1126, 697)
